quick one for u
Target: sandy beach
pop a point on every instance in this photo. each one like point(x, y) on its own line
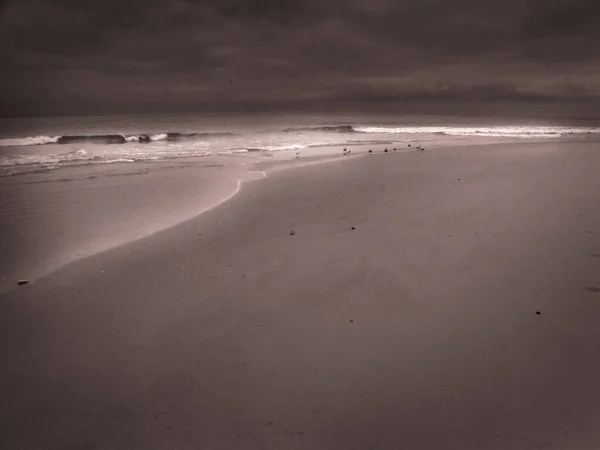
point(437, 300)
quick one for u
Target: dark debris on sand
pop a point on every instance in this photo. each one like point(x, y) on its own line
point(22, 282)
point(593, 288)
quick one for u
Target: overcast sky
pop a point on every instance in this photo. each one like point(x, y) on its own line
point(83, 57)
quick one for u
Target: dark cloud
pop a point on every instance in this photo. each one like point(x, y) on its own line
point(552, 18)
point(159, 54)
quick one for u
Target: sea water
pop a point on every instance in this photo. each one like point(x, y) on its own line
point(42, 144)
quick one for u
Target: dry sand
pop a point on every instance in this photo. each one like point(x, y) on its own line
point(417, 329)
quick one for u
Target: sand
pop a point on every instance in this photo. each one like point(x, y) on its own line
point(49, 219)
point(417, 329)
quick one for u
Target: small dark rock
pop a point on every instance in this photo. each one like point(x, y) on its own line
point(386, 150)
point(79, 290)
point(394, 149)
point(593, 289)
point(409, 145)
point(538, 313)
point(370, 151)
point(353, 228)
point(292, 233)
point(459, 179)
point(22, 282)
point(352, 321)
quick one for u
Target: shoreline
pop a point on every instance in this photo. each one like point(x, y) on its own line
point(258, 169)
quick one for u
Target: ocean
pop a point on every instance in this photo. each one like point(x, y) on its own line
point(73, 187)
point(42, 144)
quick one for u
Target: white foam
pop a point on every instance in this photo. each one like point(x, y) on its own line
point(77, 153)
point(277, 148)
point(492, 131)
point(158, 137)
point(232, 152)
point(118, 160)
point(37, 140)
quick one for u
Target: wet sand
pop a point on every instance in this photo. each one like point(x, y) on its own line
point(49, 219)
point(417, 329)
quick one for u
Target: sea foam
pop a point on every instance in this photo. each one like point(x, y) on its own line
point(492, 131)
point(26, 141)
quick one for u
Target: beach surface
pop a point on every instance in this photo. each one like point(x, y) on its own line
point(446, 299)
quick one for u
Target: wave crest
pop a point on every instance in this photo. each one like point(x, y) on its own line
point(99, 139)
point(27, 141)
point(492, 131)
point(328, 129)
point(106, 138)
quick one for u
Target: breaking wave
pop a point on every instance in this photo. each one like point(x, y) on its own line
point(27, 141)
point(99, 139)
point(499, 131)
point(329, 129)
point(489, 131)
point(106, 139)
